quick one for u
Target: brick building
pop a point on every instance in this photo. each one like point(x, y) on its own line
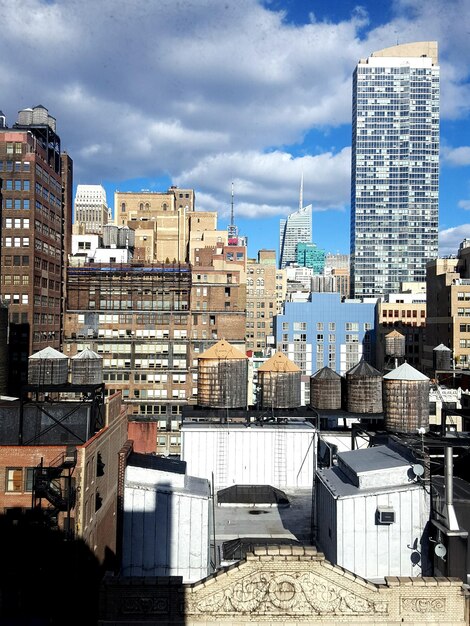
point(149, 322)
point(89, 468)
point(265, 293)
point(448, 308)
point(406, 313)
point(36, 222)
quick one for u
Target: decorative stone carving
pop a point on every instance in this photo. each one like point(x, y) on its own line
point(423, 605)
point(144, 605)
point(299, 593)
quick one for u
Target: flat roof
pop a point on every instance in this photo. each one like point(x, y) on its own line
point(291, 425)
point(162, 464)
point(341, 487)
point(264, 522)
point(373, 459)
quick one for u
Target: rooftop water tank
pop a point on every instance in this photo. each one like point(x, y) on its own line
point(48, 367)
point(406, 399)
point(364, 389)
point(325, 389)
point(87, 368)
point(395, 344)
point(279, 380)
point(222, 377)
point(442, 357)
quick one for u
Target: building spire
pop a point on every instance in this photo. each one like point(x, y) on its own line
point(232, 230)
point(301, 199)
point(231, 210)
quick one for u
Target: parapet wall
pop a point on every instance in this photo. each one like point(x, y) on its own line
point(283, 585)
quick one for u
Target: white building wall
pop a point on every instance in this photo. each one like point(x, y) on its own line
point(269, 455)
point(376, 550)
point(120, 255)
point(166, 532)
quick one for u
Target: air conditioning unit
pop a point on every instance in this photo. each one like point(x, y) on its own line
point(385, 515)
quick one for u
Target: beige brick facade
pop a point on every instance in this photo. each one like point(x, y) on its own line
point(284, 585)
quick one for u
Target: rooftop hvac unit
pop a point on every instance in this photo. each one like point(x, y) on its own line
point(385, 515)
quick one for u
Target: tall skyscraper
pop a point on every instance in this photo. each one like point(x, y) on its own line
point(297, 227)
point(37, 181)
point(91, 209)
point(395, 168)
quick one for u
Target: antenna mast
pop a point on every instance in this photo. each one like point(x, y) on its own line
point(232, 230)
point(301, 199)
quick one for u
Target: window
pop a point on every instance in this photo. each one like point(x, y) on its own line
point(29, 479)
point(14, 479)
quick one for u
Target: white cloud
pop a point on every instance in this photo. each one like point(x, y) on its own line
point(456, 156)
point(269, 183)
point(464, 204)
point(207, 91)
point(451, 238)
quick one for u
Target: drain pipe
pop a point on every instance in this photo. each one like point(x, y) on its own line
point(451, 518)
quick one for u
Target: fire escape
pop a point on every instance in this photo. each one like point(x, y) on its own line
point(55, 484)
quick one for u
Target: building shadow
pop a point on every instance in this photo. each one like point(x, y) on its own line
point(44, 578)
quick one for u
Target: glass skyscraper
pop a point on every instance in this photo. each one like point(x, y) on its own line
point(395, 168)
point(297, 227)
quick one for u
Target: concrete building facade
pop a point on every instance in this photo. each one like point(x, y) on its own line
point(161, 221)
point(395, 167)
point(91, 209)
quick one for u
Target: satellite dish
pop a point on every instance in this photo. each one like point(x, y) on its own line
point(417, 469)
point(440, 550)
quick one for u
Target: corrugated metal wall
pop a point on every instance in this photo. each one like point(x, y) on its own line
point(271, 455)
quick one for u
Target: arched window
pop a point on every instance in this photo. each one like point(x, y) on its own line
point(123, 207)
point(141, 206)
point(165, 206)
point(147, 206)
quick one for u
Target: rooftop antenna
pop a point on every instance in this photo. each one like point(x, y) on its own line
point(301, 198)
point(232, 230)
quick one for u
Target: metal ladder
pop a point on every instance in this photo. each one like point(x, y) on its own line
point(280, 469)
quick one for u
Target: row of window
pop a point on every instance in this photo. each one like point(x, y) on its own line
point(17, 203)
point(320, 326)
point(16, 279)
point(16, 222)
point(15, 166)
point(16, 185)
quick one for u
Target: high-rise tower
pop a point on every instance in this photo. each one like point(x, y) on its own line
point(395, 167)
point(35, 237)
point(295, 229)
point(91, 209)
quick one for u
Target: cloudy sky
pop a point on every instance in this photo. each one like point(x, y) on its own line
point(198, 93)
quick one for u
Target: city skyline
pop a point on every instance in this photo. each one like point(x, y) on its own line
point(211, 115)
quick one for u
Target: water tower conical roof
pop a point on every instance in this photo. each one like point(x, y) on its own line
point(279, 363)
point(363, 370)
point(223, 350)
point(48, 353)
point(405, 372)
point(326, 373)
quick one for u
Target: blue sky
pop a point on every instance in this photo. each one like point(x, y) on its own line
point(200, 92)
